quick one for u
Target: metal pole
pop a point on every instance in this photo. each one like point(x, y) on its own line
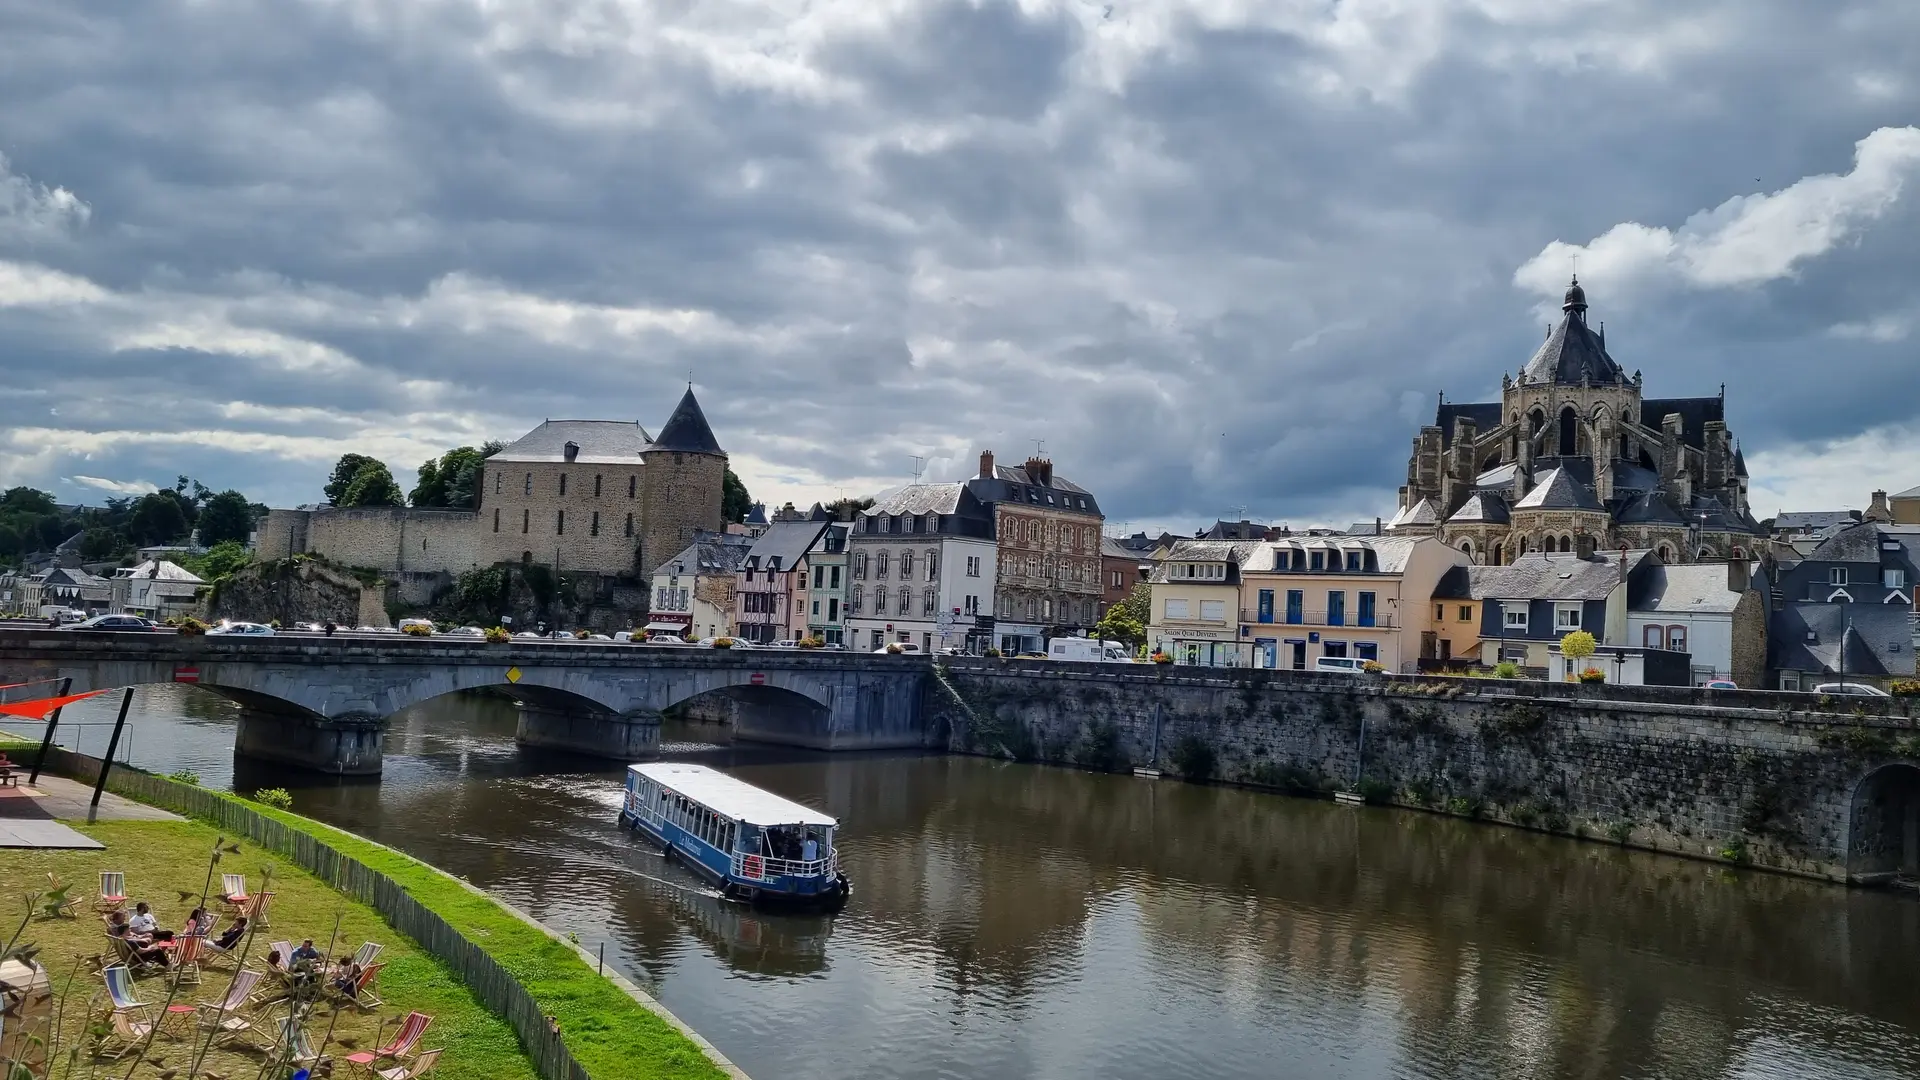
point(46, 744)
point(113, 743)
point(603, 958)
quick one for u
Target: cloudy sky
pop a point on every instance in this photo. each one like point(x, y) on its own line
point(1215, 253)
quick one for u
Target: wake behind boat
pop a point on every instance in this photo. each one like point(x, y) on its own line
point(754, 845)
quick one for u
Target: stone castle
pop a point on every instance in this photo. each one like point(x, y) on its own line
point(1574, 458)
point(596, 496)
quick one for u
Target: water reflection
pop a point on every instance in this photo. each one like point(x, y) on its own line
point(1014, 921)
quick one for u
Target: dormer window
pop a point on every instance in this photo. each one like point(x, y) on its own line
point(1316, 560)
point(1836, 575)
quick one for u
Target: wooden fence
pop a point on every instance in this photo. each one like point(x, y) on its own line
point(492, 984)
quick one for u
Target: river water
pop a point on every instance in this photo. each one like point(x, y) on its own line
point(1018, 921)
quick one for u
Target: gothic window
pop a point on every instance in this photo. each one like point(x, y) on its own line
point(1569, 432)
point(1495, 559)
point(1666, 553)
point(1466, 548)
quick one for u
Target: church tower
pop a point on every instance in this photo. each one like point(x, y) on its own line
point(685, 481)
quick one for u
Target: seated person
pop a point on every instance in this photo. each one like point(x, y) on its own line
point(348, 977)
point(200, 922)
point(232, 935)
point(273, 962)
point(305, 953)
point(142, 947)
point(145, 925)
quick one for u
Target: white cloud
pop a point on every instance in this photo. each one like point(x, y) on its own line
point(1880, 328)
point(117, 487)
point(1747, 240)
point(27, 285)
point(1834, 474)
point(31, 211)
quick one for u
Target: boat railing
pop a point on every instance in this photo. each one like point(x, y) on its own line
point(766, 868)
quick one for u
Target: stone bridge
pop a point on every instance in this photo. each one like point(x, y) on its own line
point(323, 703)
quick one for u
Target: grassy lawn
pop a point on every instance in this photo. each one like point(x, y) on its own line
point(163, 859)
point(613, 1036)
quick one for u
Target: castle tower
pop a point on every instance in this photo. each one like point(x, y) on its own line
point(685, 479)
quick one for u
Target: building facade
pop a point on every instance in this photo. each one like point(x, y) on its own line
point(771, 597)
point(693, 592)
point(1713, 612)
point(827, 586)
point(1847, 610)
point(598, 496)
point(1048, 531)
point(156, 588)
point(921, 568)
point(1574, 458)
point(1368, 598)
point(1121, 569)
point(1195, 594)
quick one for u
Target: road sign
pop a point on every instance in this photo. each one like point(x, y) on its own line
point(186, 673)
point(759, 678)
point(513, 674)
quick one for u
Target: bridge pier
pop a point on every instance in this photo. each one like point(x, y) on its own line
point(342, 746)
point(630, 736)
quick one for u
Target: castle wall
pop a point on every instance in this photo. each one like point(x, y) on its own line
point(390, 538)
point(522, 505)
point(681, 495)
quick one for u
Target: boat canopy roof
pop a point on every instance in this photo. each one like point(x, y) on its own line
point(731, 797)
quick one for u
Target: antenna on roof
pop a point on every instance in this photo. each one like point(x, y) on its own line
point(1039, 447)
point(919, 467)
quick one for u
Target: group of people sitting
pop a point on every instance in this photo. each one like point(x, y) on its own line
point(306, 963)
point(150, 942)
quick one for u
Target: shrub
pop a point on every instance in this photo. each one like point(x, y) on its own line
point(893, 648)
point(191, 626)
point(1904, 688)
point(1464, 806)
point(418, 630)
point(1620, 831)
point(184, 776)
point(277, 797)
point(811, 642)
point(991, 651)
point(723, 643)
point(1376, 791)
point(1736, 851)
point(498, 634)
point(1593, 675)
point(1506, 669)
point(275, 623)
point(1162, 658)
point(1373, 667)
point(582, 634)
point(1194, 757)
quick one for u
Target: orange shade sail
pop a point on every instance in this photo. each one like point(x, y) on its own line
point(40, 707)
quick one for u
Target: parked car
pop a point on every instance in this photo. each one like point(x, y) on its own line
point(243, 629)
point(596, 637)
point(1850, 689)
point(406, 623)
point(1721, 684)
point(115, 622)
point(467, 631)
point(528, 635)
point(1344, 665)
point(310, 627)
point(787, 644)
point(899, 647)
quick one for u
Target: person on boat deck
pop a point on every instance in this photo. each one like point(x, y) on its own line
point(232, 935)
point(810, 850)
point(143, 924)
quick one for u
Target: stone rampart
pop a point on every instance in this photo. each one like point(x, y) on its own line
point(1787, 781)
point(395, 538)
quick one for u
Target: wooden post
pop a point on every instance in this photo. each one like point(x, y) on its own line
point(46, 744)
point(113, 743)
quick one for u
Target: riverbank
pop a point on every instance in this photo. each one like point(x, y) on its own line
point(611, 1030)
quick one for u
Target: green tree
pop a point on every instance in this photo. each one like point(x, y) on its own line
point(157, 519)
point(734, 500)
point(373, 485)
point(27, 500)
point(226, 516)
point(429, 489)
point(1577, 646)
point(344, 471)
point(452, 479)
point(219, 562)
point(1138, 606)
point(848, 509)
point(1118, 624)
point(99, 543)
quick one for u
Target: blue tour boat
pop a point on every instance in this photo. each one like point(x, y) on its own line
point(754, 845)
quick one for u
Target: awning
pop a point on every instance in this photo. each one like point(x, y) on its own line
point(658, 625)
point(38, 710)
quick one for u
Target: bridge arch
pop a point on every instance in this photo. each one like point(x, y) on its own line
point(1883, 833)
point(758, 712)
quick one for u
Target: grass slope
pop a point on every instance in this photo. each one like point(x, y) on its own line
point(162, 859)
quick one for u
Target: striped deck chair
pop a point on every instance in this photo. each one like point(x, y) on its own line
point(368, 952)
point(121, 989)
point(232, 1015)
point(421, 1066)
point(233, 893)
point(187, 951)
point(403, 1043)
point(291, 1045)
point(113, 891)
point(362, 996)
point(255, 909)
point(124, 1035)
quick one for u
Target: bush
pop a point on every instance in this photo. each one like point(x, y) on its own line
point(812, 643)
point(723, 643)
point(1506, 669)
point(1162, 658)
point(418, 630)
point(275, 623)
point(893, 649)
point(277, 797)
point(1904, 688)
point(1373, 667)
point(1736, 851)
point(1593, 675)
point(991, 651)
point(498, 634)
point(190, 625)
point(582, 635)
point(184, 776)
point(1378, 792)
point(1194, 757)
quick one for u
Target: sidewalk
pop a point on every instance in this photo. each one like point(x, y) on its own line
point(27, 814)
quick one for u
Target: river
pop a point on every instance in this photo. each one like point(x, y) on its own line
point(1020, 921)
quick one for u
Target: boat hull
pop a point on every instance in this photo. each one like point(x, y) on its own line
point(785, 894)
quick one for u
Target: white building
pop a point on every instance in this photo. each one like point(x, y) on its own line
point(1709, 610)
point(156, 588)
point(693, 592)
point(921, 568)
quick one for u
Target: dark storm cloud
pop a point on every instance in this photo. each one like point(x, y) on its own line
point(1215, 255)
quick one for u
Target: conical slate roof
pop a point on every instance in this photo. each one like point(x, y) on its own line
point(1573, 353)
point(1481, 507)
point(1558, 490)
point(687, 429)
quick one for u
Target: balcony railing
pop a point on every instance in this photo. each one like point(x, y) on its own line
point(1379, 620)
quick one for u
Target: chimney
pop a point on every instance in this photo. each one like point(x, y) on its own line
point(1739, 576)
point(1040, 470)
point(1878, 509)
point(571, 450)
point(986, 464)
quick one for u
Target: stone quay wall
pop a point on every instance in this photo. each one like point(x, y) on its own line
point(1747, 777)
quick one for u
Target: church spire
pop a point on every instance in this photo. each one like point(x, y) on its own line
point(1575, 302)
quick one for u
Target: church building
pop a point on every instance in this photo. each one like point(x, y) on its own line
point(1574, 458)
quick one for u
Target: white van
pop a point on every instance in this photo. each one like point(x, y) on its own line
point(1346, 665)
point(1088, 650)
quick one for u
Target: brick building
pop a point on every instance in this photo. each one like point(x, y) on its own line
point(1047, 530)
point(598, 496)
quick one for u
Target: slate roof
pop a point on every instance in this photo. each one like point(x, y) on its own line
point(1391, 553)
point(915, 499)
point(1910, 493)
point(783, 545)
point(1498, 478)
point(164, 570)
point(687, 429)
point(601, 442)
point(1815, 520)
point(756, 514)
point(1111, 548)
point(1629, 476)
point(1858, 543)
point(1650, 508)
point(1237, 530)
point(1558, 490)
point(1538, 576)
point(1710, 513)
point(1687, 587)
point(1235, 552)
point(1694, 414)
point(712, 553)
point(1011, 483)
point(1573, 353)
point(1484, 414)
point(1879, 639)
point(1420, 513)
point(1482, 506)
